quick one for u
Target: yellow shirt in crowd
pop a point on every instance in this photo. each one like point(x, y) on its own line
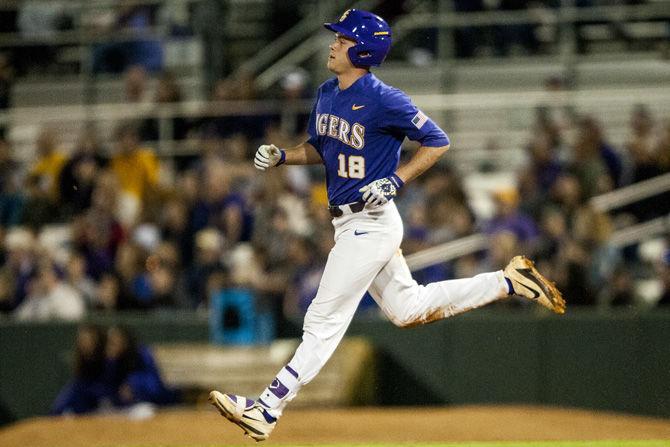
point(136, 171)
point(47, 170)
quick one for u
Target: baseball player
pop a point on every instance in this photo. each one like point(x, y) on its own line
point(356, 129)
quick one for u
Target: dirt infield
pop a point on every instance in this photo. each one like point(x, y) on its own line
point(360, 425)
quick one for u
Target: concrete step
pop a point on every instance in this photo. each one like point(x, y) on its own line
point(199, 368)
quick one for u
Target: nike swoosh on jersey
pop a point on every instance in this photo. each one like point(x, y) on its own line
point(355, 107)
point(359, 233)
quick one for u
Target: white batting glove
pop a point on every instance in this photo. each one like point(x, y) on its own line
point(381, 191)
point(267, 156)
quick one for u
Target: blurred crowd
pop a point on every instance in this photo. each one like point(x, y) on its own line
point(112, 372)
point(110, 228)
point(107, 227)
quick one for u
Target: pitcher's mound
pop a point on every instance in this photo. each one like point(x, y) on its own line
point(356, 425)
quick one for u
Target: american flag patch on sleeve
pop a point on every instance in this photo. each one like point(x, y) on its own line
point(419, 120)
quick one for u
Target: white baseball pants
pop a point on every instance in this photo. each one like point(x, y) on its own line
point(367, 256)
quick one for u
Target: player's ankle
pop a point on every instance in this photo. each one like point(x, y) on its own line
point(510, 288)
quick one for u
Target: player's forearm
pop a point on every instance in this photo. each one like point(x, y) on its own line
point(302, 154)
point(423, 159)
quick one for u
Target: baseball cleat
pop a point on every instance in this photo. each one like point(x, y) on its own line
point(529, 283)
point(249, 415)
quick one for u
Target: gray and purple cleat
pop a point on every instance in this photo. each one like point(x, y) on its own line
point(248, 414)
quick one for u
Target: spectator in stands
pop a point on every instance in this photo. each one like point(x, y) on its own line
point(597, 164)
point(592, 230)
point(77, 178)
point(541, 174)
point(553, 234)
point(50, 297)
point(222, 207)
point(18, 269)
point(307, 260)
point(132, 43)
point(159, 286)
point(41, 185)
point(78, 279)
point(555, 119)
point(641, 145)
point(508, 217)
point(87, 389)
point(645, 163)
point(11, 197)
point(571, 272)
point(416, 229)
point(619, 289)
point(135, 85)
point(129, 265)
point(544, 165)
point(418, 232)
point(168, 93)
point(97, 234)
point(501, 244)
point(566, 195)
point(207, 273)
point(174, 228)
point(136, 169)
point(272, 247)
point(236, 155)
point(132, 372)
point(111, 294)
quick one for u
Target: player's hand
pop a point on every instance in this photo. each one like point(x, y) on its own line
point(381, 191)
point(267, 156)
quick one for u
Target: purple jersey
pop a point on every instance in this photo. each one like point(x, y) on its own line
point(358, 133)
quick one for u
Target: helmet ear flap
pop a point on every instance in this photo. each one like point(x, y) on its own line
point(359, 54)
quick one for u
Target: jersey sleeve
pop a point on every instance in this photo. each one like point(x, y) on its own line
point(403, 117)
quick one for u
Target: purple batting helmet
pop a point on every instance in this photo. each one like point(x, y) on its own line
point(371, 33)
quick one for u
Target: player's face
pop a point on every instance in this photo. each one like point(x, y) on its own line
point(338, 59)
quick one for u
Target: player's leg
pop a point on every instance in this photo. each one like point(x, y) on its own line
point(351, 267)
point(352, 264)
point(408, 303)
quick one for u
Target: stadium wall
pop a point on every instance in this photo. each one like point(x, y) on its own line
point(606, 361)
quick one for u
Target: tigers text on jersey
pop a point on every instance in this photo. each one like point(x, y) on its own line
point(358, 133)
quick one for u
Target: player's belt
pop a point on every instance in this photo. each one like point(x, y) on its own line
point(349, 208)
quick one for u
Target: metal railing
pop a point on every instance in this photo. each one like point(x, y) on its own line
point(554, 16)
point(605, 202)
point(308, 46)
point(560, 17)
point(496, 106)
point(302, 31)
